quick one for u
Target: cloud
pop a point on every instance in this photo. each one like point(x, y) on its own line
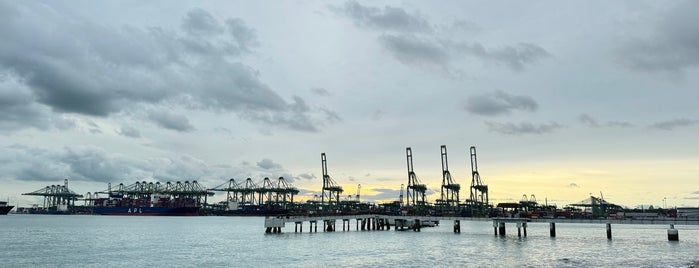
point(319, 91)
point(513, 56)
point(306, 176)
point(522, 128)
point(413, 50)
point(79, 66)
point(673, 44)
point(386, 19)
point(268, 164)
point(573, 185)
point(498, 103)
point(127, 131)
point(201, 23)
point(593, 123)
point(672, 124)
point(171, 121)
point(412, 40)
point(83, 163)
point(19, 110)
point(383, 194)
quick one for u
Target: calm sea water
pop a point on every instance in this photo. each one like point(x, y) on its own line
point(108, 241)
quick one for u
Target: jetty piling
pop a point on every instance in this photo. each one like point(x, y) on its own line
point(673, 234)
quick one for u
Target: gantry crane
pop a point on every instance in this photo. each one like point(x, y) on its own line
point(415, 191)
point(479, 191)
point(450, 190)
point(331, 191)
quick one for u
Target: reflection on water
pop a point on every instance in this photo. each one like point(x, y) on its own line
point(92, 241)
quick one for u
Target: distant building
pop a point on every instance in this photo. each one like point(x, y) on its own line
point(691, 213)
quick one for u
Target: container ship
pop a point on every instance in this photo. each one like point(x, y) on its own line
point(4, 208)
point(151, 199)
point(157, 205)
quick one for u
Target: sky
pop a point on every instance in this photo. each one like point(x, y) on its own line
point(562, 100)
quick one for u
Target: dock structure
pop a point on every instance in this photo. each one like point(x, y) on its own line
point(331, 191)
point(370, 222)
point(448, 204)
point(185, 191)
point(478, 201)
point(57, 197)
point(415, 190)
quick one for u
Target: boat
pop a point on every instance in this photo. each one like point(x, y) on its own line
point(146, 211)
point(4, 208)
point(150, 199)
point(156, 205)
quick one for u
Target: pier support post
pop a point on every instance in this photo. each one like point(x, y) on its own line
point(359, 222)
point(457, 226)
point(416, 225)
point(524, 228)
point(495, 228)
point(268, 230)
point(373, 224)
point(519, 229)
point(501, 228)
point(552, 229)
point(388, 225)
point(673, 234)
point(609, 231)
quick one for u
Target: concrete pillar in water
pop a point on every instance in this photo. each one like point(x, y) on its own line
point(673, 234)
point(457, 226)
point(268, 230)
point(388, 225)
point(524, 227)
point(495, 228)
point(552, 227)
point(501, 228)
point(519, 230)
point(609, 231)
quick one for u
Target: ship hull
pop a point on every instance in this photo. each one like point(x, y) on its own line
point(146, 211)
point(5, 210)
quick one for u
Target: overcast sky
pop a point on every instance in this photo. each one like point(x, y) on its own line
point(561, 99)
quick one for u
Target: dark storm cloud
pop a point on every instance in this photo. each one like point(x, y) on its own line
point(171, 121)
point(673, 44)
point(498, 103)
point(77, 66)
point(593, 123)
point(522, 128)
point(412, 40)
point(672, 124)
point(18, 109)
point(386, 19)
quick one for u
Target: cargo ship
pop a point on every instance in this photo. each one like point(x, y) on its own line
point(156, 205)
point(151, 199)
point(4, 208)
